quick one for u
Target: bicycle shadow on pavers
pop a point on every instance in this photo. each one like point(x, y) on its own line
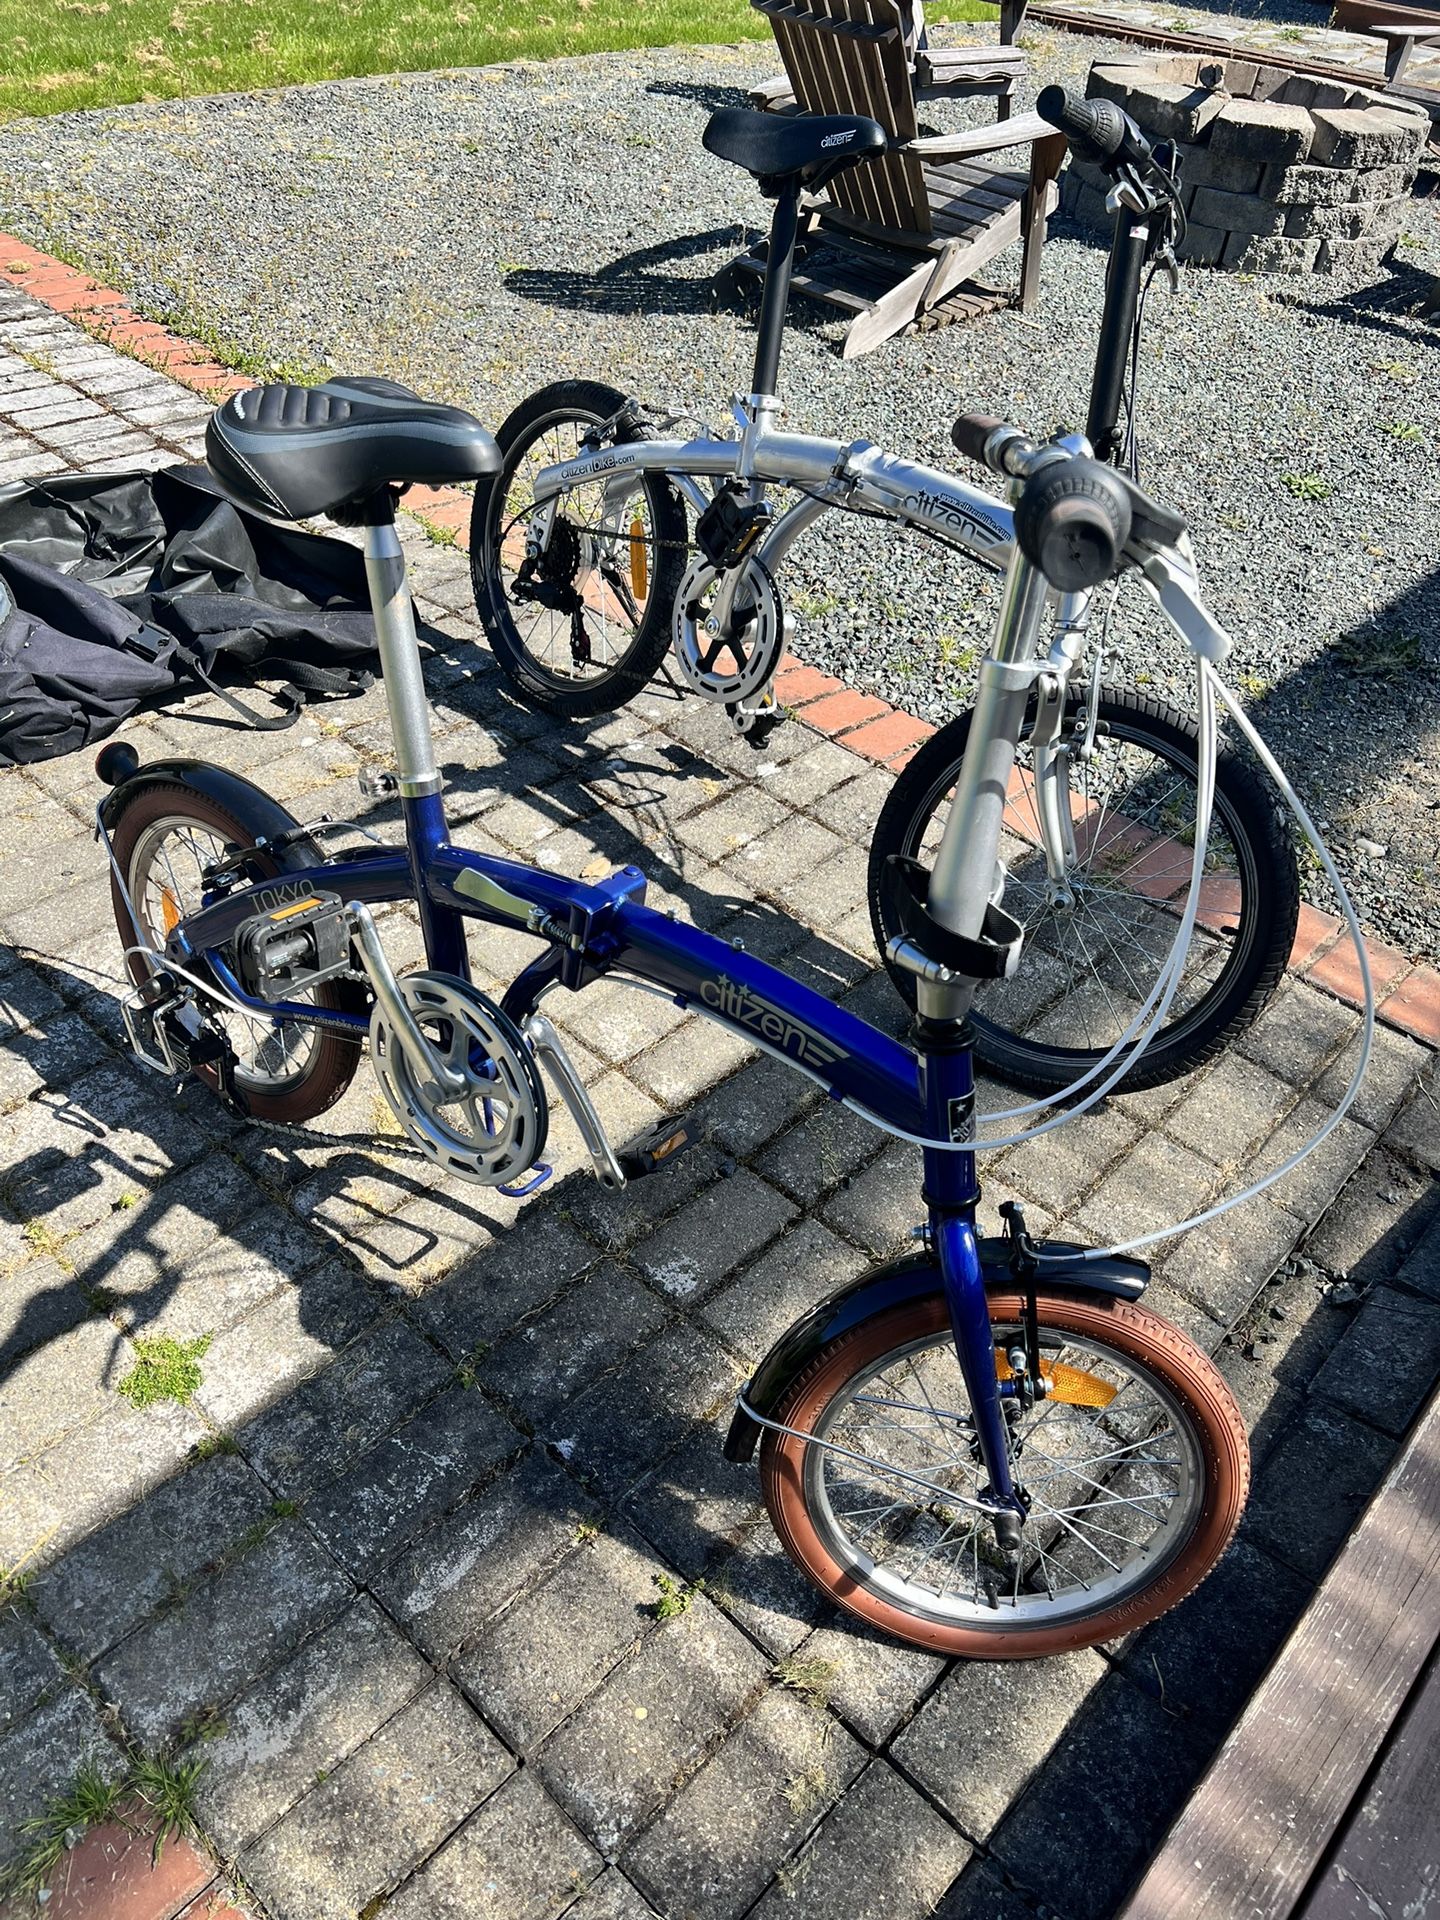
point(1108, 1745)
point(476, 1523)
point(197, 1559)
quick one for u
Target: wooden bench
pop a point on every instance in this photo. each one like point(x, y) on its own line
point(1401, 42)
point(1293, 1816)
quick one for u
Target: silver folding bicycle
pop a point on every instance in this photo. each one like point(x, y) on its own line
point(581, 547)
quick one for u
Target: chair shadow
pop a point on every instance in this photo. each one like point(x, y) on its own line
point(711, 97)
point(638, 283)
point(1407, 293)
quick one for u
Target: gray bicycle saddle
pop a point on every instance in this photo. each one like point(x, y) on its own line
point(292, 451)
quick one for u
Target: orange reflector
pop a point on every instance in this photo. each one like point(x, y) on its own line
point(169, 910)
point(639, 560)
point(1070, 1384)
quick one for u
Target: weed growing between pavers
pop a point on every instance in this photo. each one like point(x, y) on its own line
point(813, 1679)
point(674, 1598)
point(156, 1796)
point(166, 1791)
point(90, 1801)
point(164, 1369)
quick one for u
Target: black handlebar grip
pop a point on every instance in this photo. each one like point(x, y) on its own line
point(1097, 125)
point(971, 431)
point(1072, 521)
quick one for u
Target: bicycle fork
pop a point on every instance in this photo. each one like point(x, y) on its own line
point(952, 1191)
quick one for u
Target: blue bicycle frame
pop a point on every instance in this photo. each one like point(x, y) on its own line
point(591, 931)
point(595, 930)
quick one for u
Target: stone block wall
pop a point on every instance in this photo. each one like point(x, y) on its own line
point(1281, 173)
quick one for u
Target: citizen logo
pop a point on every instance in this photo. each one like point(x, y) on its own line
point(838, 139)
point(954, 513)
point(617, 459)
point(780, 1030)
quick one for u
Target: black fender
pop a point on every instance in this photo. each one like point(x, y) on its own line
point(263, 817)
point(912, 1277)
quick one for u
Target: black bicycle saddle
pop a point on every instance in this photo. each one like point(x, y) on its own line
point(773, 145)
point(292, 451)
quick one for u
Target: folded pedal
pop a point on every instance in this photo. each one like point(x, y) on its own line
point(660, 1149)
point(293, 946)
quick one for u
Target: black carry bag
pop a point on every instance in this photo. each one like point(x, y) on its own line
point(119, 591)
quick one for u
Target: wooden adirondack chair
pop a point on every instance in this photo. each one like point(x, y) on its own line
point(896, 239)
point(938, 73)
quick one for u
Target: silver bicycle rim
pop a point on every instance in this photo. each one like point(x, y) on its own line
point(1115, 1493)
point(170, 856)
point(606, 558)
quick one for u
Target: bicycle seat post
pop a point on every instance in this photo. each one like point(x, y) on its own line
point(399, 650)
point(775, 295)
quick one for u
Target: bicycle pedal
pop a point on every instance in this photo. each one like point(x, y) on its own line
point(294, 946)
point(663, 1146)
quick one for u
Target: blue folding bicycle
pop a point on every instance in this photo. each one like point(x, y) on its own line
point(988, 1447)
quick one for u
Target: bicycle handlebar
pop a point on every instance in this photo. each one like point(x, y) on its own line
point(1075, 517)
point(1107, 136)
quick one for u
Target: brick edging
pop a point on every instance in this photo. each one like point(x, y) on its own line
point(1408, 995)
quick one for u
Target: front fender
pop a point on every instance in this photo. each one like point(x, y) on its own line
point(896, 1284)
point(262, 817)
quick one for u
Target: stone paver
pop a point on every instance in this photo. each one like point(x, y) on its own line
point(395, 1571)
point(367, 1822)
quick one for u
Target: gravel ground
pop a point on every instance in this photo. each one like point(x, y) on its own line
point(480, 233)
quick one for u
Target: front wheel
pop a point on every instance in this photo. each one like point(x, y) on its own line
point(581, 628)
point(1089, 961)
point(1135, 1469)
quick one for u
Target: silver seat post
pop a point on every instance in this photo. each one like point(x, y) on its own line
point(963, 879)
point(399, 649)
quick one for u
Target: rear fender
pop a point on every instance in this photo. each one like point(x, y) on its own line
point(264, 819)
point(897, 1284)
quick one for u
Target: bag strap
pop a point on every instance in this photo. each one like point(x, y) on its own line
point(300, 682)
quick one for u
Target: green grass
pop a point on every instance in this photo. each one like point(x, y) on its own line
point(89, 1801)
point(1307, 486)
point(156, 1797)
point(64, 54)
point(164, 1369)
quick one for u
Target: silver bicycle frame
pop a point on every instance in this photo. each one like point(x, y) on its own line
point(832, 475)
point(836, 476)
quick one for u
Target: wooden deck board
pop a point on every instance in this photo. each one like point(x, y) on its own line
point(1250, 1839)
point(1389, 1853)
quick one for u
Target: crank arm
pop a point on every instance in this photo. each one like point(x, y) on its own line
point(444, 1082)
point(550, 1052)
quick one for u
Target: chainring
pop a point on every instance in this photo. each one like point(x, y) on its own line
point(495, 1130)
point(741, 665)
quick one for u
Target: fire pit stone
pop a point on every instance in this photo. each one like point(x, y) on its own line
point(1282, 173)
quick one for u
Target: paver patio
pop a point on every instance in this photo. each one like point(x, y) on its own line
point(394, 1572)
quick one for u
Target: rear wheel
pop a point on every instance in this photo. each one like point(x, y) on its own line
point(1088, 964)
point(1135, 1469)
point(583, 628)
point(163, 842)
